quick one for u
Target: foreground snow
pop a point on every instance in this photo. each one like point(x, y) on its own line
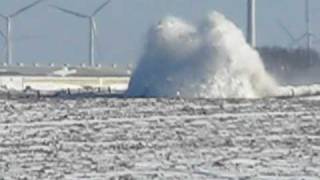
point(160, 139)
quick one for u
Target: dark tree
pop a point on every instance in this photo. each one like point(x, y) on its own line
point(288, 65)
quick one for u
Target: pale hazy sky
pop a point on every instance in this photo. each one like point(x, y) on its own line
point(43, 34)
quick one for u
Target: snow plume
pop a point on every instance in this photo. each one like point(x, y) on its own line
point(212, 61)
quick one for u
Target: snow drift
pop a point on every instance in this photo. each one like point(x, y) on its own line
point(212, 60)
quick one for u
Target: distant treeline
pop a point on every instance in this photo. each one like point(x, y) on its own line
point(287, 64)
point(275, 57)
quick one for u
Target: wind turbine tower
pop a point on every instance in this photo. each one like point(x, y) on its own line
point(251, 29)
point(92, 27)
point(8, 36)
point(309, 37)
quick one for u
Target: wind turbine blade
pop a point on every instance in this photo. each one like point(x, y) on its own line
point(70, 12)
point(3, 48)
point(2, 35)
point(101, 7)
point(316, 41)
point(25, 8)
point(298, 40)
point(286, 30)
point(314, 36)
point(3, 16)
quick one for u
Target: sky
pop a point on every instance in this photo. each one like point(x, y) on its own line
point(45, 35)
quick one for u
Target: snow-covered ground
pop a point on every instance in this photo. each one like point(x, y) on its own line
point(51, 83)
point(267, 139)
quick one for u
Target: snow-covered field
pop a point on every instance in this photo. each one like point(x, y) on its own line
point(51, 83)
point(106, 138)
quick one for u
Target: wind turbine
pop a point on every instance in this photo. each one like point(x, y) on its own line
point(92, 24)
point(8, 36)
point(308, 35)
point(251, 34)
